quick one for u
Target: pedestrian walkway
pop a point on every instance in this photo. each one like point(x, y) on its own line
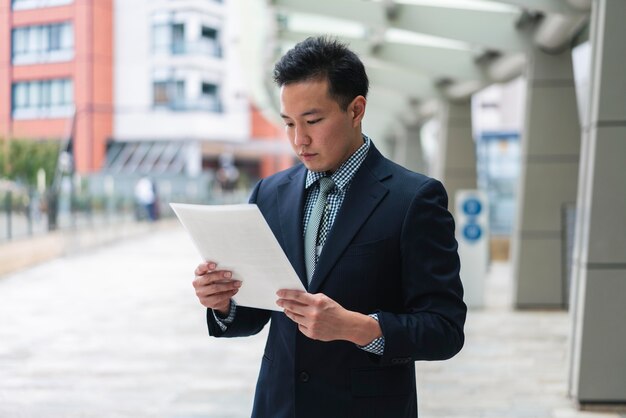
point(118, 332)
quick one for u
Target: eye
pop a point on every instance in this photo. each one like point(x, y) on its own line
point(313, 122)
point(289, 124)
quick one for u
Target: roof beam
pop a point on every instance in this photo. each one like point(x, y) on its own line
point(546, 6)
point(400, 80)
point(437, 63)
point(492, 30)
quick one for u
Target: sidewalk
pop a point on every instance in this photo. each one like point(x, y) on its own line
point(118, 332)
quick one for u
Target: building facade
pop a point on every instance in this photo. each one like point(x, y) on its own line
point(56, 74)
point(177, 80)
point(140, 87)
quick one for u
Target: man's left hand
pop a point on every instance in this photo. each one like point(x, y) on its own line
point(321, 318)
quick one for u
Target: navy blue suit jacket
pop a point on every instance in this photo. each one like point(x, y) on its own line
point(391, 250)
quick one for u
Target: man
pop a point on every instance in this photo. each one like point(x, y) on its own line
point(373, 244)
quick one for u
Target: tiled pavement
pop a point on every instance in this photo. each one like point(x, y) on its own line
point(117, 332)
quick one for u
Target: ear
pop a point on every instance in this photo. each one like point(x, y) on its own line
point(356, 109)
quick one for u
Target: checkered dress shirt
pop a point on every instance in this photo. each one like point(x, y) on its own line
point(342, 179)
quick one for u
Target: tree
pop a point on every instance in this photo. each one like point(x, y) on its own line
point(26, 157)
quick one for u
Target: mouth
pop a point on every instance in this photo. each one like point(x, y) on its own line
point(306, 155)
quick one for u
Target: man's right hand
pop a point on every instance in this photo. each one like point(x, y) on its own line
point(214, 288)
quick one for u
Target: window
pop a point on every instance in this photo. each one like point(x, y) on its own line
point(178, 38)
point(169, 93)
point(171, 39)
point(172, 94)
point(210, 99)
point(43, 99)
point(48, 43)
point(37, 4)
point(209, 42)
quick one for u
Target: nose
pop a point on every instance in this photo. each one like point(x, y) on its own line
point(301, 136)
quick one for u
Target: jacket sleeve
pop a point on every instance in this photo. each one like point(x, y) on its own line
point(247, 321)
point(430, 325)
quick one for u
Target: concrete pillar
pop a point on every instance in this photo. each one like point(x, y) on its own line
point(456, 165)
point(598, 372)
point(548, 181)
point(408, 151)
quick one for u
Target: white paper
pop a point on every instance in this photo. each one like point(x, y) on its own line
point(238, 239)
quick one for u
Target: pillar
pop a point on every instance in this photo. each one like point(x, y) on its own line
point(456, 160)
point(548, 181)
point(598, 360)
point(408, 151)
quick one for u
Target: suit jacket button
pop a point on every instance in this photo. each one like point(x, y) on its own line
point(304, 377)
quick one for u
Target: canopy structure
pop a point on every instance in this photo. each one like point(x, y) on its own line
point(415, 51)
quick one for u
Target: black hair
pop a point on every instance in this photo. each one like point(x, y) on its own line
point(324, 58)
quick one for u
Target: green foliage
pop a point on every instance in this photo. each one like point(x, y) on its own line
point(26, 157)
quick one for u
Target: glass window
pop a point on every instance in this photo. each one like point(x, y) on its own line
point(209, 98)
point(54, 40)
point(56, 93)
point(160, 93)
point(20, 41)
point(44, 93)
point(67, 36)
point(37, 4)
point(170, 93)
point(33, 95)
point(179, 94)
point(20, 95)
point(42, 98)
point(209, 42)
point(209, 33)
point(37, 44)
point(178, 38)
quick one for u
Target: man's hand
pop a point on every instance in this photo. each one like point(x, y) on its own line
point(214, 288)
point(321, 318)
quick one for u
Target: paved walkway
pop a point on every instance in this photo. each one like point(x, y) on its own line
point(117, 332)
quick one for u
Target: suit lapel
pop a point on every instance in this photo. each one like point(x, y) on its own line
point(290, 206)
point(364, 195)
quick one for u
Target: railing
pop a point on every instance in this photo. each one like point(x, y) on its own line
point(25, 212)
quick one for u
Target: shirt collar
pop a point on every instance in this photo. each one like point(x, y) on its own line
point(346, 171)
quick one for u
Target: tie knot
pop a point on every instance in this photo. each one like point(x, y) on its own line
point(326, 185)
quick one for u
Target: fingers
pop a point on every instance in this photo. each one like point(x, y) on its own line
point(214, 288)
point(204, 268)
point(295, 295)
point(206, 274)
point(217, 276)
point(295, 312)
point(217, 296)
point(219, 301)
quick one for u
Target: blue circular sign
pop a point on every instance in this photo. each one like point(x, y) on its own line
point(472, 232)
point(472, 206)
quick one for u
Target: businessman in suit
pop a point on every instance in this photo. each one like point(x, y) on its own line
point(372, 242)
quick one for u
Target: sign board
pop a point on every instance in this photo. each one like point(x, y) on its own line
point(472, 233)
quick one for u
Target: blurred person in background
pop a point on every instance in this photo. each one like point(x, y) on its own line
point(372, 242)
point(146, 199)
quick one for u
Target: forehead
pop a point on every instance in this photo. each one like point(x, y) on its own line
point(300, 97)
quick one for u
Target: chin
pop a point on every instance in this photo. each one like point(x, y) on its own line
point(315, 168)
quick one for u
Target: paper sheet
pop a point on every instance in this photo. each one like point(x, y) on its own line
point(237, 238)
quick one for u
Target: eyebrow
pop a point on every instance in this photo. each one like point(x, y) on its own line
point(307, 113)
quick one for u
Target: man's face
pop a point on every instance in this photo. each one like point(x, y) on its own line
point(321, 134)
